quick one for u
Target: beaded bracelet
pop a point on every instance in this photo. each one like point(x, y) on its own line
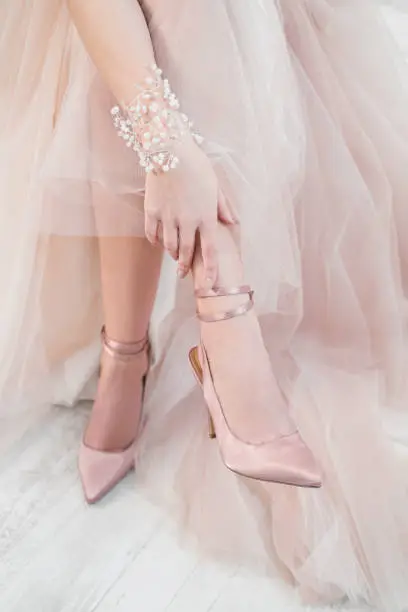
point(152, 123)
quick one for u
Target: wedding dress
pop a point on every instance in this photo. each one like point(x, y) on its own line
point(304, 109)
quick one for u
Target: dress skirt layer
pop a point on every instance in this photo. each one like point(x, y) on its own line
point(304, 109)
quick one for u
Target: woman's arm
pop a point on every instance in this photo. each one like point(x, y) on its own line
point(116, 37)
point(184, 202)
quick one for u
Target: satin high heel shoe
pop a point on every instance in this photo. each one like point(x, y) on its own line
point(100, 470)
point(283, 459)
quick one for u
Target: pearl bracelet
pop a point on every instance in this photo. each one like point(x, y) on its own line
point(152, 123)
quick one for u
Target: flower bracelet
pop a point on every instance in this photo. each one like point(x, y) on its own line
point(152, 124)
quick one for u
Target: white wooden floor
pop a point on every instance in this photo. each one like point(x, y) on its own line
point(58, 555)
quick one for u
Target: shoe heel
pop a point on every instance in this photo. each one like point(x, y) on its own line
point(196, 365)
point(211, 428)
point(198, 373)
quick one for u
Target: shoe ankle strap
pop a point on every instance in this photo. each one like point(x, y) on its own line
point(225, 292)
point(123, 350)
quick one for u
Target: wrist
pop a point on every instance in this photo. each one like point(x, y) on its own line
point(152, 124)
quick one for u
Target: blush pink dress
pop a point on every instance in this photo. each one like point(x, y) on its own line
point(304, 109)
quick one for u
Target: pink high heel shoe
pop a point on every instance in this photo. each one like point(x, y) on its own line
point(283, 459)
point(100, 470)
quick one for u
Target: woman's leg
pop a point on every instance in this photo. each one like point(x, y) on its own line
point(240, 364)
point(130, 270)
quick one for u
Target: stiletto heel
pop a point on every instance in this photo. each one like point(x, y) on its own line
point(284, 459)
point(198, 373)
point(100, 470)
point(211, 428)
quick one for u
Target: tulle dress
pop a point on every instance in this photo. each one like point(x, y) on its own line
point(304, 109)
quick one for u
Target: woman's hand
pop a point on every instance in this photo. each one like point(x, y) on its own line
point(182, 209)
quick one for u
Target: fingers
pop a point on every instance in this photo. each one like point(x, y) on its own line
point(186, 251)
point(171, 239)
point(152, 228)
point(234, 211)
point(165, 233)
point(224, 212)
point(208, 242)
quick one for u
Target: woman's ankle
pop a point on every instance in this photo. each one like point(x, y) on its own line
point(125, 333)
